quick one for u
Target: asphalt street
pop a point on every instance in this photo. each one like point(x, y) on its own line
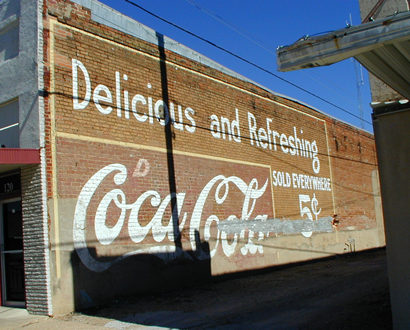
point(344, 292)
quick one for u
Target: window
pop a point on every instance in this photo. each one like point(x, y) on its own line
point(9, 124)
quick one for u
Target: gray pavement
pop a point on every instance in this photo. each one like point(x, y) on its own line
point(345, 292)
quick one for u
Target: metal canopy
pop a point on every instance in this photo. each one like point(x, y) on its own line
point(382, 46)
point(13, 158)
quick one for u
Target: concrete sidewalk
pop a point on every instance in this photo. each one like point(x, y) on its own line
point(19, 318)
point(14, 318)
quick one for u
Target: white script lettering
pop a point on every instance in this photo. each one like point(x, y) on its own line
point(137, 232)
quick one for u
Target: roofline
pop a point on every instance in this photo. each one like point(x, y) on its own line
point(344, 43)
point(108, 16)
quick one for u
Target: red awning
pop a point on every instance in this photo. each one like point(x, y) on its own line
point(17, 156)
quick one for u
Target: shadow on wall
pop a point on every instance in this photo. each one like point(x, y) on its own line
point(138, 274)
point(150, 272)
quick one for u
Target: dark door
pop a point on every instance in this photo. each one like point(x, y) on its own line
point(12, 253)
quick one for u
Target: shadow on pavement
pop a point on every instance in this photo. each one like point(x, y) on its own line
point(344, 292)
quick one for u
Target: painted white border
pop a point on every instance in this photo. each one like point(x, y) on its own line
point(55, 133)
point(156, 58)
point(43, 169)
point(104, 14)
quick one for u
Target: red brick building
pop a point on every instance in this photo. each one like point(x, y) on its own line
point(158, 167)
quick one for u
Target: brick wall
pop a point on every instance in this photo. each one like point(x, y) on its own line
point(132, 181)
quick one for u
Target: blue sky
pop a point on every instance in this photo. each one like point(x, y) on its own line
point(269, 23)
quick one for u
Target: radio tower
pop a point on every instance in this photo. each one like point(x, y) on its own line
point(359, 83)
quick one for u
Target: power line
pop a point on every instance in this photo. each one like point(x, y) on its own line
point(231, 26)
point(363, 135)
point(325, 84)
point(284, 118)
point(245, 60)
point(206, 128)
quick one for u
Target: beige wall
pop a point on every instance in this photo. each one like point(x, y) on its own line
point(393, 149)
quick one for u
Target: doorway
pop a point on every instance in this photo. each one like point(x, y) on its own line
point(11, 253)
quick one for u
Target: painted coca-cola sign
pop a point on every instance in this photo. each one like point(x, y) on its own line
point(127, 204)
point(153, 166)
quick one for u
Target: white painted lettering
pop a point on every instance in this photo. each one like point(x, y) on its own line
point(83, 104)
point(97, 98)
